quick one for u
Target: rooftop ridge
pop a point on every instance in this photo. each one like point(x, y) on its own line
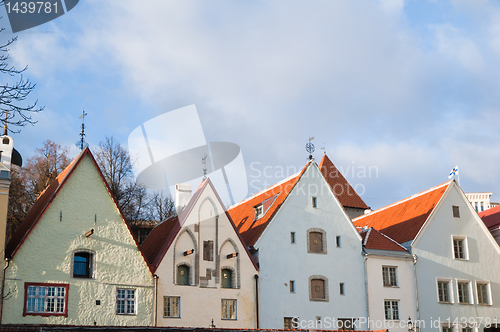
point(265, 190)
point(404, 200)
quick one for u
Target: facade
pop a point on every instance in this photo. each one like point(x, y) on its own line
point(480, 201)
point(457, 259)
point(73, 260)
point(205, 274)
point(311, 271)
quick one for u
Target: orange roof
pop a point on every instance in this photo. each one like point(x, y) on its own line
point(491, 217)
point(373, 239)
point(403, 220)
point(346, 195)
point(45, 199)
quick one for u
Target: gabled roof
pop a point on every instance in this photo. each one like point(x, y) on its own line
point(491, 217)
point(373, 239)
point(346, 195)
point(243, 213)
point(45, 199)
point(403, 220)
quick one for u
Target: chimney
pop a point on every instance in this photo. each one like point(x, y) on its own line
point(182, 196)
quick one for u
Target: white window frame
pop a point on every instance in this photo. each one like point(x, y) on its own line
point(488, 292)
point(259, 211)
point(229, 303)
point(46, 299)
point(450, 289)
point(389, 276)
point(447, 326)
point(126, 300)
point(170, 300)
point(465, 247)
point(391, 304)
point(469, 290)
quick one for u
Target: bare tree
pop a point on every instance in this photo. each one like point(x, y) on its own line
point(161, 207)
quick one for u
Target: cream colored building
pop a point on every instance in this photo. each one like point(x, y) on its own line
point(73, 260)
point(205, 274)
point(480, 201)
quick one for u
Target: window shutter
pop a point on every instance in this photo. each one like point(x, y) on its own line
point(315, 242)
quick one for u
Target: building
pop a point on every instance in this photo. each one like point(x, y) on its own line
point(311, 271)
point(205, 275)
point(74, 261)
point(480, 201)
point(457, 259)
point(491, 219)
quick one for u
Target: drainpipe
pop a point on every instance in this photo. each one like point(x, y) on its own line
point(365, 256)
point(7, 260)
point(155, 300)
point(257, 300)
point(416, 284)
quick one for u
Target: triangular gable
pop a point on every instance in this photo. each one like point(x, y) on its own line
point(163, 235)
point(47, 197)
point(491, 217)
point(403, 220)
point(344, 192)
point(373, 239)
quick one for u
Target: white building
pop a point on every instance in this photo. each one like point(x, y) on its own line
point(480, 201)
point(457, 279)
point(311, 270)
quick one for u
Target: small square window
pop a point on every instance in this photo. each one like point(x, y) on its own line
point(259, 211)
point(171, 306)
point(456, 211)
point(444, 291)
point(339, 243)
point(460, 250)
point(290, 323)
point(389, 276)
point(292, 286)
point(228, 309)
point(483, 293)
point(342, 291)
point(314, 202)
point(292, 237)
point(463, 292)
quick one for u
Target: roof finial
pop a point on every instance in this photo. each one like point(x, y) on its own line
point(81, 143)
point(324, 148)
point(5, 123)
point(204, 163)
point(310, 147)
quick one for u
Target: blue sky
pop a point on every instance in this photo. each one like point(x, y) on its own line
point(409, 88)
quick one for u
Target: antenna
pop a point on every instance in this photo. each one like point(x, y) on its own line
point(81, 143)
point(204, 163)
point(310, 147)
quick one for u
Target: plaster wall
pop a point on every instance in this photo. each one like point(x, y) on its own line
point(436, 260)
point(282, 261)
point(82, 204)
point(201, 303)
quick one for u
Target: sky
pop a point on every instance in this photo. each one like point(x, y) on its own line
point(396, 92)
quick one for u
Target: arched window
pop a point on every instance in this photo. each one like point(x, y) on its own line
point(183, 275)
point(227, 278)
point(82, 264)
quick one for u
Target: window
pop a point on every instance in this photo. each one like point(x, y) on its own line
point(228, 309)
point(444, 291)
point(446, 328)
point(125, 301)
point(482, 206)
point(483, 294)
point(45, 299)
point(171, 306)
point(316, 241)
point(391, 308)
point(82, 264)
point(208, 250)
point(292, 237)
point(292, 286)
point(475, 207)
point(314, 202)
point(318, 288)
point(288, 323)
point(342, 291)
point(456, 211)
point(460, 250)
point(389, 276)
point(339, 244)
point(463, 292)
point(227, 278)
point(345, 324)
point(183, 275)
point(259, 211)
point(466, 329)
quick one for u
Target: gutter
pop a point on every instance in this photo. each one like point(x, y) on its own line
point(155, 300)
point(7, 260)
point(365, 256)
point(256, 300)
point(416, 284)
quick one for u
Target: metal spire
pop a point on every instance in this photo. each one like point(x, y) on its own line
point(5, 123)
point(204, 163)
point(81, 143)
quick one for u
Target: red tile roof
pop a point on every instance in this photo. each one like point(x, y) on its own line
point(45, 199)
point(491, 217)
point(373, 239)
point(346, 195)
point(403, 220)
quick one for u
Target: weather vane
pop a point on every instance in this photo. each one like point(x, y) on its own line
point(5, 122)
point(204, 163)
point(310, 148)
point(81, 143)
point(324, 148)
